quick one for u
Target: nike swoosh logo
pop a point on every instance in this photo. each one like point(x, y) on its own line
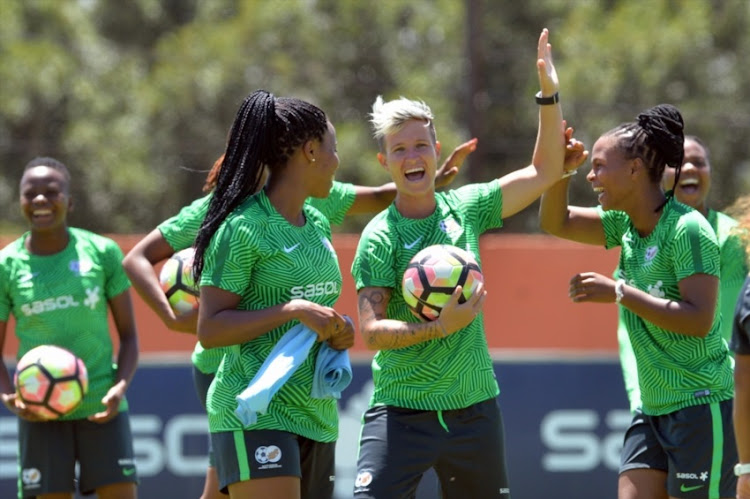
point(290, 249)
point(684, 488)
point(27, 277)
point(410, 246)
point(128, 471)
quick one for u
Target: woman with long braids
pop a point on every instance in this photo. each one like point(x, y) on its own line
point(265, 263)
point(179, 232)
point(681, 442)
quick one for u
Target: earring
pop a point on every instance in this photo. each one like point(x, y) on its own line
point(313, 160)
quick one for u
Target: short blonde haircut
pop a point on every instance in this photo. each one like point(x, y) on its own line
point(389, 117)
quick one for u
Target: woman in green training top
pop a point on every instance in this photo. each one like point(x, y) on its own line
point(681, 443)
point(59, 283)
point(435, 400)
point(692, 190)
point(179, 232)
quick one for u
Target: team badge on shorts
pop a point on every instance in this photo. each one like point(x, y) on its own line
point(31, 478)
point(364, 479)
point(268, 454)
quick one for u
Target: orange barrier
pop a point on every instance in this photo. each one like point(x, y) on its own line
point(527, 305)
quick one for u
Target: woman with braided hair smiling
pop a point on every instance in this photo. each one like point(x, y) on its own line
point(681, 442)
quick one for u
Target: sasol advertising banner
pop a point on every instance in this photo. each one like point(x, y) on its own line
point(564, 423)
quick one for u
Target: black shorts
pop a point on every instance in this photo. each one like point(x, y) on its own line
point(48, 452)
point(695, 446)
point(202, 382)
point(466, 447)
point(247, 455)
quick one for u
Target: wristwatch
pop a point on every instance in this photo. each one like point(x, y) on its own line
point(741, 469)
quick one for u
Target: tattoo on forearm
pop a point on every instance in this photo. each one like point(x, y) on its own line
point(373, 303)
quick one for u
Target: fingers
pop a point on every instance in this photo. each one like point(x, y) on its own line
point(542, 44)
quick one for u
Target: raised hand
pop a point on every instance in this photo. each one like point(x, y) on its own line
point(450, 168)
point(548, 82)
point(575, 153)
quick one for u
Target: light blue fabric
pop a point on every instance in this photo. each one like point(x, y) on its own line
point(333, 373)
point(285, 358)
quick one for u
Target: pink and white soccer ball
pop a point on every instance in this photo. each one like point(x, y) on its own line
point(51, 381)
point(433, 274)
point(176, 278)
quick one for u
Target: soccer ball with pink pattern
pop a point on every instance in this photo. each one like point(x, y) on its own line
point(433, 274)
point(176, 278)
point(51, 381)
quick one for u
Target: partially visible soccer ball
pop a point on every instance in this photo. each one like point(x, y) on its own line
point(176, 279)
point(433, 274)
point(51, 381)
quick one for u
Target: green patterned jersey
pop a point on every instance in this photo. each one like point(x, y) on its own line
point(180, 231)
point(261, 257)
point(61, 299)
point(733, 272)
point(447, 373)
point(674, 370)
point(733, 267)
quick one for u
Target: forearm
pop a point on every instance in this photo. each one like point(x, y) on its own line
point(676, 316)
point(553, 208)
point(127, 359)
point(6, 384)
point(146, 283)
point(233, 327)
point(549, 149)
point(389, 334)
point(372, 199)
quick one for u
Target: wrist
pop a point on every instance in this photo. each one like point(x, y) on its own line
point(619, 290)
point(441, 328)
point(546, 100)
point(741, 469)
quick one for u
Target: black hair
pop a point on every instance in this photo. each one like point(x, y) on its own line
point(657, 138)
point(265, 133)
point(49, 163)
point(699, 141)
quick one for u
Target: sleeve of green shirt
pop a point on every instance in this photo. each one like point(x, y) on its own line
point(180, 230)
point(373, 263)
point(694, 247)
point(614, 224)
point(336, 205)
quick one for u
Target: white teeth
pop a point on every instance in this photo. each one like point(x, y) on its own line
point(414, 170)
point(598, 189)
point(689, 181)
point(41, 212)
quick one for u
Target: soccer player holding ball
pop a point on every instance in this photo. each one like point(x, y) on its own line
point(681, 442)
point(179, 232)
point(59, 282)
point(435, 400)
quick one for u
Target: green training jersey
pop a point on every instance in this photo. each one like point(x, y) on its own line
point(447, 373)
point(180, 231)
point(261, 257)
point(733, 272)
point(61, 299)
point(733, 267)
point(674, 370)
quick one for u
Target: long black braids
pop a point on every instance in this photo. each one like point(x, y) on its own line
point(265, 133)
point(657, 138)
